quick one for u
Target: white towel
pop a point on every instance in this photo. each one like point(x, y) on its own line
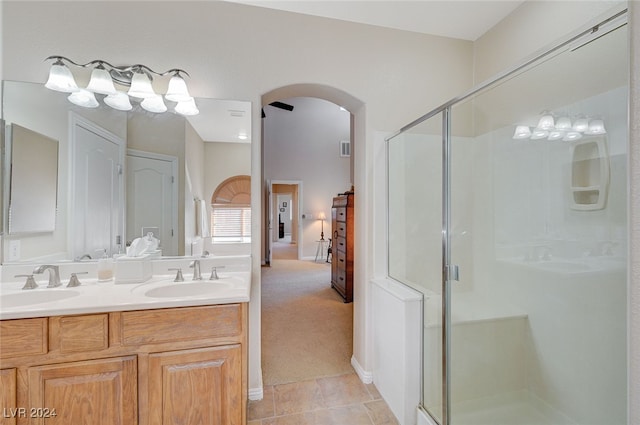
point(202, 226)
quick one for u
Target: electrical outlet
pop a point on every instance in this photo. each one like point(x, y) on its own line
point(14, 250)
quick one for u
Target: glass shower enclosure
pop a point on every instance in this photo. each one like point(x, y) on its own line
point(507, 210)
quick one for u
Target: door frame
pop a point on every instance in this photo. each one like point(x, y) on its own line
point(174, 188)
point(270, 215)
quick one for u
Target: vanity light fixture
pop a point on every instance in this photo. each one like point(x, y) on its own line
point(137, 77)
point(550, 128)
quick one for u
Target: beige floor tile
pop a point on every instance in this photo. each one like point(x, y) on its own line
point(297, 397)
point(373, 391)
point(343, 390)
point(258, 422)
point(265, 408)
point(347, 415)
point(380, 413)
point(295, 419)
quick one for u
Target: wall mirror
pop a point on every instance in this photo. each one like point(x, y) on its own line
point(33, 181)
point(165, 169)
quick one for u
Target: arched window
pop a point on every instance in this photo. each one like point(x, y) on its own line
point(231, 210)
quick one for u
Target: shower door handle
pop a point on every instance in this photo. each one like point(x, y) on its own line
point(452, 272)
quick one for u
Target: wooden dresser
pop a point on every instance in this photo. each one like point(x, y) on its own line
point(342, 255)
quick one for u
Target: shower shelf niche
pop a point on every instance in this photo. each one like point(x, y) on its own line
point(589, 174)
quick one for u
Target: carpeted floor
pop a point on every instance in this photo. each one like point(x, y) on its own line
point(307, 330)
point(283, 249)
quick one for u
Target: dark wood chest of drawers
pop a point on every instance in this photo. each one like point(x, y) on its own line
point(342, 255)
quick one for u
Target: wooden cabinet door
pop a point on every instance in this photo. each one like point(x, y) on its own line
point(196, 387)
point(8, 397)
point(88, 392)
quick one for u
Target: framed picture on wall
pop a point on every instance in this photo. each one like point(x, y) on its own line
point(284, 204)
point(281, 209)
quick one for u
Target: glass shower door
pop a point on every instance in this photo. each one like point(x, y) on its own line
point(415, 237)
point(539, 232)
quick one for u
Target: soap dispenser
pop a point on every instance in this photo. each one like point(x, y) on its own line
point(105, 267)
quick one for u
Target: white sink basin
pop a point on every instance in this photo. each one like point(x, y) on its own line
point(188, 289)
point(30, 297)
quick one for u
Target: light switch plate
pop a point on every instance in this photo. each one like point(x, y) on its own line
point(14, 250)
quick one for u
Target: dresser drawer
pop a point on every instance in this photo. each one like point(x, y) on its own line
point(341, 229)
point(341, 214)
point(181, 324)
point(341, 260)
point(23, 337)
point(341, 244)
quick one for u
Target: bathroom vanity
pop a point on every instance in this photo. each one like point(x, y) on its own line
point(131, 356)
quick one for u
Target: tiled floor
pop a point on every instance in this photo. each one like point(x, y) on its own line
point(337, 400)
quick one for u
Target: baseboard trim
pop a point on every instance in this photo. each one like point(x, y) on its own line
point(365, 377)
point(256, 393)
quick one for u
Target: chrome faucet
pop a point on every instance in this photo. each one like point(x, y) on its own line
point(54, 274)
point(82, 257)
point(195, 265)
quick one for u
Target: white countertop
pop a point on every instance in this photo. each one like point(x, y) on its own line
point(96, 297)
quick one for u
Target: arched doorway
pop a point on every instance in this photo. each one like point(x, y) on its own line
point(355, 113)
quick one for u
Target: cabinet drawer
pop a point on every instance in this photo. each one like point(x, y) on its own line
point(73, 334)
point(181, 324)
point(23, 337)
point(341, 214)
point(341, 229)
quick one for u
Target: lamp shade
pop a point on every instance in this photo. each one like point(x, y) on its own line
point(61, 79)
point(154, 104)
point(539, 134)
point(141, 86)
point(187, 108)
point(101, 82)
point(596, 127)
point(572, 135)
point(177, 90)
point(522, 132)
point(564, 123)
point(119, 101)
point(581, 125)
point(555, 135)
point(83, 98)
point(546, 122)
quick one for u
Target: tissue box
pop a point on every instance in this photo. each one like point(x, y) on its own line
point(133, 269)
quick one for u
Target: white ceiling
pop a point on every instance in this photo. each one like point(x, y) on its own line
point(222, 120)
point(463, 19)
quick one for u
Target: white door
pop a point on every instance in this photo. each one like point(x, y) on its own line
point(97, 218)
point(152, 203)
point(269, 235)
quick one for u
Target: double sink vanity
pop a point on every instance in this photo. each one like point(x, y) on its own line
point(154, 352)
